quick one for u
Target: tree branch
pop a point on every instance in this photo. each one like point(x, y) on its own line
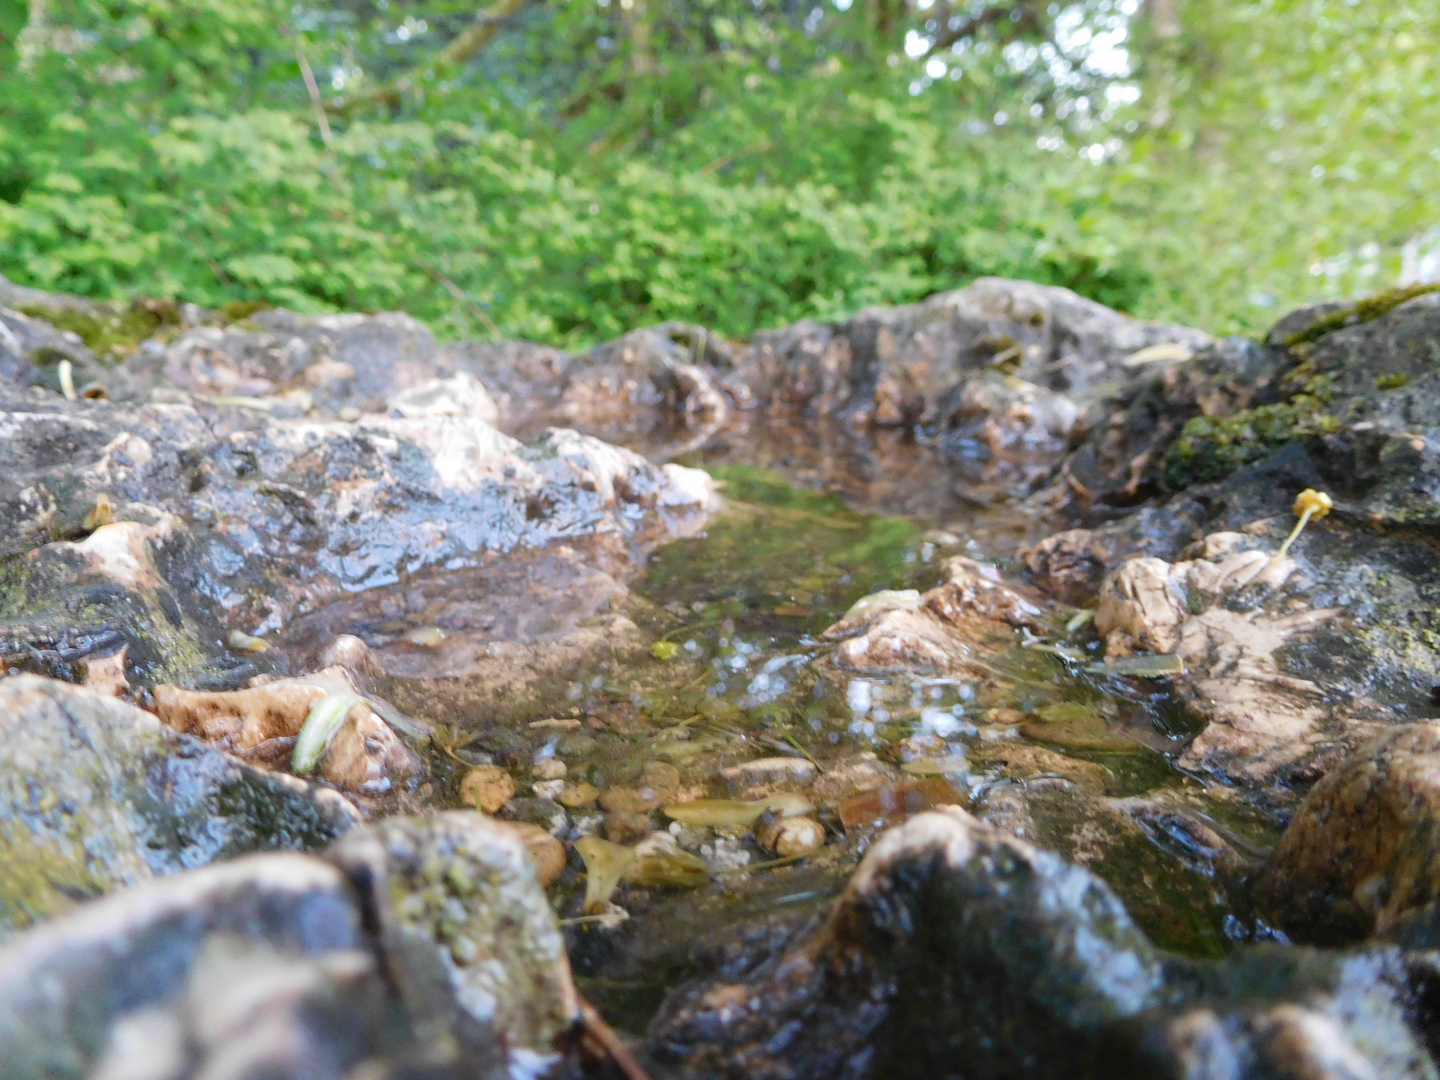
point(461, 50)
point(947, 37)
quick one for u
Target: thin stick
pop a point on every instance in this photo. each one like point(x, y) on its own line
point(609, 1043)
point(315, 100)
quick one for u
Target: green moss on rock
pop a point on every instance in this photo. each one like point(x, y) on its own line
point(1211, 448)
point(1362, 311)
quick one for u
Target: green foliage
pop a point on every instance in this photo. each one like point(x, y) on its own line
point(601, 166)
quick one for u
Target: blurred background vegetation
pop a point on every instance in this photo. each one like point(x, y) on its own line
point(570, 169)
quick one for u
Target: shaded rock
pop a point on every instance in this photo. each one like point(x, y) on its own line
point(467, 935)
point(261, 958)
point(896, 365)
point(421, 948)
point(1360, 854)
point(1069, 565)
point(96, 794)
point(956, 950)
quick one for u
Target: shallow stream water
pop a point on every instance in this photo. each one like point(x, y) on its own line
point(734, 667)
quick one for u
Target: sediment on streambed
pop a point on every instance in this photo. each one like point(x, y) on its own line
point(333, 650)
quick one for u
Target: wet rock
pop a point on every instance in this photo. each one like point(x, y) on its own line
point(957, 949)
point(1069, 565)
point(1231, 618)
point(460, 395)
point(96, 794)
point(1360, 854)
point(468, 935)
point(972, 610)
point(262, 723)
point(232, 517)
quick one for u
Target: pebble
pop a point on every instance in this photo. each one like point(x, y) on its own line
point(771, 770)
point(349, 414)
point(547, 852)
point(791, 836)
point(630, 800)
point(622, 826)
point(548, 789)
point(487, 788)
point(549, 769)
point(577, 795)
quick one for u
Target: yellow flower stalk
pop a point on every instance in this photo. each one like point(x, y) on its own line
point(1309, 503)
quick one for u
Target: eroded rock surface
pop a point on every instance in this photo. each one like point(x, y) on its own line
point(956, 949)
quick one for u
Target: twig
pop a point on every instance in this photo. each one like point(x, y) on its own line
point(315, 99)
point(604, 1040)
point(464, 298)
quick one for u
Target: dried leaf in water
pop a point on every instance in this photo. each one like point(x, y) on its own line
point(892, 805)
point(945, 766)
point(605, 864)
point(1159, 666)
point(324, 720)
point(659, 861)
point(737, 811)
point(1065, 712)
point(715, 812)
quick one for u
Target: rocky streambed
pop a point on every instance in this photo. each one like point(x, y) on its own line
point(931, 691)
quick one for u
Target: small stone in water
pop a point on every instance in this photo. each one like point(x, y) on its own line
point(487, 787)
point(549, 769)
point(623, 825)
point(1007, 716)
point(660, 777)
point(630, 800)
point(349, 414)
point(771, 770)
point(548, 789)
point(244, 642)
point(791, 836)
point(426, 637)
point(577, 795)
point(547, 852)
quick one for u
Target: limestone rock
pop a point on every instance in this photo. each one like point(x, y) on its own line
point(467, 933)
point(1260, 719)
point(96, 794)
point(1360, 854)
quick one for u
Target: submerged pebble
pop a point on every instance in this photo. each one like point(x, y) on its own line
point(791, 836)
point(487, 788)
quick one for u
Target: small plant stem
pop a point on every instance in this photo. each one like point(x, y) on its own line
point(1304, 517)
